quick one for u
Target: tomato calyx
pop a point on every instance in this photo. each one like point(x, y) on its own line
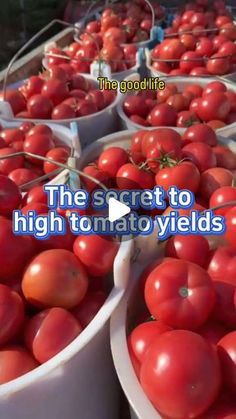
point(184, 292)
point(165, 160)
point(191, 121)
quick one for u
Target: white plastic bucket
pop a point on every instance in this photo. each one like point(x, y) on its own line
point(90, 127)
point(150, 249)
point(181, 82)
point(79, 382)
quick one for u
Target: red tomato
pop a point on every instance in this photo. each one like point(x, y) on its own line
point(218, 64)
point(10, 196)
point(33, 86)
point(170, 89)
point(111, 160)
point(15, 361)
point(171, 49)
point(225, 307)
point(194, 89)
point(162, 115)
point(180, 294)
point(214, 86)
point(136, 141)
point(224, 409)
point(161, 66)
point(40, 129)
point(213, 179)
point(216, 124)
point(166, 140)
point(178, 102)
point(212, 331)
point(93, 171)
point(22, 176)
point(134, 105)
point(38, 144)
point(230, 220)
point(229, 30)
point(200, 133)
point(188, 40)
point(222, 196)
point(11, 314)
point(130, 176)
point(49, 332)
point(225, 157)
point(96, 253)
point(39, 107)
point(190, 60)
point(36, 194)
point(222, 265)
point(214, 106)
point(63, 111)
point(89, 307)
point(169, 365)
point(218, 41)
point(114, 35)
point(201, 154)
point(55, 278)
point(139, 120)
point(227, 354)
point(187, 118)
point(205, 47)
point(7, 165)
point(194, 249)
point(11, 135)
point(228, 48)
point(198, 19)
point(143, 335)
point(96, 96)
point(232, 98)
point(55, 90)
point(184, 175)
point(85, 108)
point(199, 71)
point(15, 251)
point(35, 206)
point(16, 100)
point(59, 154)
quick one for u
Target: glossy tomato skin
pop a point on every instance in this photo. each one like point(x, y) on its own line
point(15, 251)
point(96, 253)
point(162, 115)
point(180, 294)
point(230, 219)
point(227, 354)
point(111, 160)
point(194, 249)
point(225, 158)
point(7, 165)
point(130, 176)
point(184, 175)
point(15, 361)
point(214, 178)
point(59, 154)
point(89, 307)
point(49, 332)
point(200, 133)
point(201, 154)
point(11, 314)
point(166, 140)
point(170, 365)
point(143, 335)
point(214, 106)
point(222, 264)
point(55, 278)
point(222, 196)
point(10, 196)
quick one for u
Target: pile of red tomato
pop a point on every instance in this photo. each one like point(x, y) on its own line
point(201, 41)
point(112, 38)
point(184, 348)
point(50, 289)
point(213, 104)
point(59, 93)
